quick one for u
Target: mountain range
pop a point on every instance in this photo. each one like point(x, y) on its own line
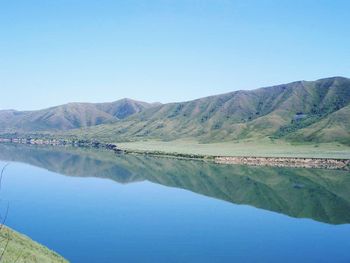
point(70, 116)
point(316, 111)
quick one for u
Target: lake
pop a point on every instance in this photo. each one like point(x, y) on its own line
point(94, 206)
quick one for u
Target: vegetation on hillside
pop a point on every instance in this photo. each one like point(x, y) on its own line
point(302, 111)
point(69, 116)
point(282, 112)
point(21, 249)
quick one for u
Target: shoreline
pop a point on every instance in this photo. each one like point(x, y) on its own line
point(269, 161)
point(290, 162)
point(319, 163)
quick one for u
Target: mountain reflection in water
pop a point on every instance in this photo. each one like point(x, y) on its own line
point(322, 195)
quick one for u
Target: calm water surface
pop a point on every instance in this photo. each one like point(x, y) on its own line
point(92, 206)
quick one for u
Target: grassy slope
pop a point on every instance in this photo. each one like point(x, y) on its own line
point(265, 148)
point(256, 122)
point(69, 116)
point(25, 250)
point(254, 114)
point(334, 127)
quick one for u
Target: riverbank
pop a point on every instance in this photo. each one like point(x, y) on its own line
point(320, 163)
point(261, 148)
point(22, 249)
point(257, 153)
point(333, 164)
point(262, 153)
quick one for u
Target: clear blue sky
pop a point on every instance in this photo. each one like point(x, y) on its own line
point(53, 52)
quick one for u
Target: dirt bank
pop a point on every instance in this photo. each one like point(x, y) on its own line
point(323, 163)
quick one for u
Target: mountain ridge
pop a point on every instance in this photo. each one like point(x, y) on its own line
point(315, 111)
point(279, 111)
point(71, 115)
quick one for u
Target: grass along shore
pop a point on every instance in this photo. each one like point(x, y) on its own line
point(258, 152)
point(262, 148)
point(281, 154)
point(22, 249)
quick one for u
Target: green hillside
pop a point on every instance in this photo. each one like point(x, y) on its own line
point(334, 127)
point(21, 249)
point(69, 116)
point(302, 111)
point(317, 110)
